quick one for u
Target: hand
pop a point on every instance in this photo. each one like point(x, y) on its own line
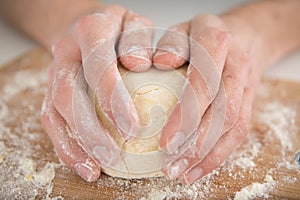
point(83, 58)
point(214, 110)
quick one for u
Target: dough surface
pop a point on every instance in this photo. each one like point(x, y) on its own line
point(154, 93)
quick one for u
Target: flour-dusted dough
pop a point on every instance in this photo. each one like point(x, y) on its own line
point(154, 94)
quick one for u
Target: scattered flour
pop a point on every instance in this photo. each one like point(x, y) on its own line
point(3, 110)
point(23, 175)
point(256, 190)
point(281, 121)
point(244, 157)
point(23, 80)
point(289, 179)
point(46, 175)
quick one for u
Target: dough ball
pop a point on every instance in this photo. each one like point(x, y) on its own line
point(155, 94)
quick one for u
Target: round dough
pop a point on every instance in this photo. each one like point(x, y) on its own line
point(154, 93)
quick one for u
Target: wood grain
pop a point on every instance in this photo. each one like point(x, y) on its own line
point(222, 185)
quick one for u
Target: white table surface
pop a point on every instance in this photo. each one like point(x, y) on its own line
point(163, 13)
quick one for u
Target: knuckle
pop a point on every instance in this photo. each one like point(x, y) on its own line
point(84, 22)
point(64, 48)
point(222, 38)
point(134, 17)
point(147, 22)
point(137, 24)
point(206, 17)
point(179, 27)
point(85, 25)
point(115, 8)
point(213, 39)
point(209, 20)
point(96, 28)
point(91, 22)
point(240, 59)
point(232, 79)
point(58, 48)
point(225, 37)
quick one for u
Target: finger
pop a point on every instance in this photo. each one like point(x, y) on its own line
point(203, 75)
point(183, 121)
point(135, 44)
point(189, 153)
point(221, 151)
point(225, 108)
point(208, 32)
point(99, 60)
point(194, 148)
point(72, 102)
point(173, 165)
point(221, 115)
point(227, 142)
point(67, 148)
point(223, 112)
point(173, 48)
point(234, 78)
point(97, 35)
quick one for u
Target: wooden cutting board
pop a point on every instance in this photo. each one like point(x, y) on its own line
point(28, 161)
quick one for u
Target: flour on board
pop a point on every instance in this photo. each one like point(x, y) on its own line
point(31, 177)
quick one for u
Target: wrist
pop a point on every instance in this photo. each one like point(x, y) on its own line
point(58, 26)
point(45, 21)
point(246, 39)
point(266, 29)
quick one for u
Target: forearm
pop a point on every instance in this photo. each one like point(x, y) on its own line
point(43, 20)
point(268, 29)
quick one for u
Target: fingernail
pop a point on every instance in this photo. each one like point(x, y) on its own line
point(193, 175)
point(138, 52)
point(175, 142)
point(86, 172)
point(103, 155)
point(177, 168)
point(166, 49)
